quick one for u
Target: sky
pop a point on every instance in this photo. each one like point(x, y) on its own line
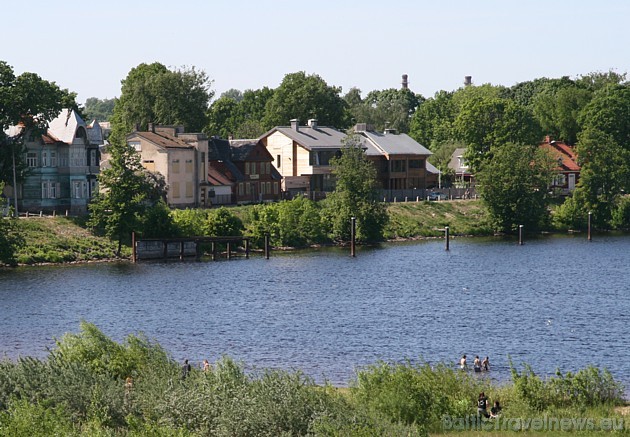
point(89, 47)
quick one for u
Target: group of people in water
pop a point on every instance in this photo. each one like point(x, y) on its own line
point(478, 365)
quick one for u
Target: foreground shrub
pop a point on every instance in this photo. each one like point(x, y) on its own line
point(416, 394)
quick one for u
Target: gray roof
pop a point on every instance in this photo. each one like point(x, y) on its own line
point(396, 144)
point(431, 168)
point(310, 138)
point(454, 162)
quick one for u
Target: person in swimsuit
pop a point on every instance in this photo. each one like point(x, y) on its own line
point(477, 364)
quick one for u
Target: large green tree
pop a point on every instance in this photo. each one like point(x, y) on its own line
point(355, 195)
point(557, 111)
point(152, 93)
point(99, 110)
point(432, 123)
point(128, 191)
point(513, 185)
point(304, 97)
point(390, 108)
point(486, 124)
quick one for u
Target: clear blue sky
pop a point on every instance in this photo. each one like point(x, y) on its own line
point(89, 47)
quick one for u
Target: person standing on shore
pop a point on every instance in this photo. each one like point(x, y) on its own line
point(186, 368)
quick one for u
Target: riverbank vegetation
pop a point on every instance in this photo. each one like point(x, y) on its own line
point(91, 385)
point(296, 223)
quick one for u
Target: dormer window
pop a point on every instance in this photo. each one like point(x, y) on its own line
point(462, 162)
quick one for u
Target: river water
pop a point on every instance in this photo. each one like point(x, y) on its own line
point(555, 302)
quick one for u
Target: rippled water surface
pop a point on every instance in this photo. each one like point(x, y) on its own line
point(554, 302)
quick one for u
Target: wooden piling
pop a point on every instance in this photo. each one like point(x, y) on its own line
point(266, 246)
point(133, 247)
point(589, 236)
point(214, 251)
point(520, 235)
point(448, 237)
point(165, 243)
point(353, 229)
point(229, 250)
point(247, 248)
point(181, 250)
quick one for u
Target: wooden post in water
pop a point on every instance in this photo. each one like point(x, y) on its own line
point(247, 248)
point(165, 243)
point(589, 227)
point(181, 250)
point(266, 246)
point(520, 235)
point(214, 251)
point(229, 250)
point(353, 236)
point(133, 247)
point(197, 250)
point(448, 237)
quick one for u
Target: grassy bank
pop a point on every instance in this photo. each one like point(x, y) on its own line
point(91, 385)
point(61, 239)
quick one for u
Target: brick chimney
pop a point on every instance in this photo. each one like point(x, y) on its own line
point(405, 83)
point(295, 124)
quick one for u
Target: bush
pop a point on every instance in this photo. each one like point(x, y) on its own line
point(621, 214)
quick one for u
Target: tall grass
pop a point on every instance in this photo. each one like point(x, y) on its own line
point(91, 385)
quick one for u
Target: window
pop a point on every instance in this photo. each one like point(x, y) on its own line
point(136, 145)
point(76, 189)
point(240, 189)
point(53, 158)
point(189, 166)
point(268, 168)
point(278, 161)
point(247, 168)
point(321, 157)
point(262, 188)
point(175, 190)
point(93, 187)
point(275, 188)
point(189, 189)
point(50, 189)
point(268, 187)
point(45, 162)
point(462, 162)
point(31, 159)
point(248, 189)
point(175, 165)
point(93, 161)
point(398, 166)
point(252, 167)
point(416, 163)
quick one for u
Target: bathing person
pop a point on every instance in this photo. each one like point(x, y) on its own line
point(485, 364)
point(477, 364)
point(462, 363)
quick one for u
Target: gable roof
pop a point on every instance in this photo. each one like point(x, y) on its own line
point(161, 140)
point(564, 154)
point(396, 144)
point(454, 162)
point(320, 137)
point(64, 127)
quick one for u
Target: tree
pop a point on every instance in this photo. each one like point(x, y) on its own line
point(355, 195)
point(223, 117)
point(97, 109)
point(609, 112)
point(485, 124)
point(432, 123)
point(127, 192)
point(151, 93)
point(304, 97)
point(513, 185)
point(10, 238)
point(390, 108)
point(604, 175)
point(557, 111)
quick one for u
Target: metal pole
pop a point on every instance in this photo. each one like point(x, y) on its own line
point(448, 237)
point(520, 235)
point(353, 229)
point(589, 226)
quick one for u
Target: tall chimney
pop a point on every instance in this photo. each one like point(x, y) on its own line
point(295, 124)
point(405, 83)
point(312, 123)
point(467, 80)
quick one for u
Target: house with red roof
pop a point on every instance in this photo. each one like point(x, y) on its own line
point(568, 169)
